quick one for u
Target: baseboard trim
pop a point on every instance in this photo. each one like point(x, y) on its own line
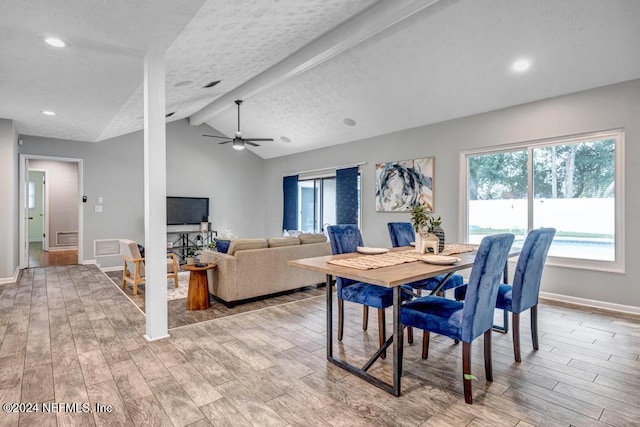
point(14, 279)
point(90, 262)
point(108, 269)
point(603, 305)
point(157, 338)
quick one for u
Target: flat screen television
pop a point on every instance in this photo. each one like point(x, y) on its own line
point(187, 210)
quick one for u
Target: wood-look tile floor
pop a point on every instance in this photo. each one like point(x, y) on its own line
point(68, 335)
point(179, 315)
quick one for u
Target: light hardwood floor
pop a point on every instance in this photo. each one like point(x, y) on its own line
point(69, 335)
point(40, 258)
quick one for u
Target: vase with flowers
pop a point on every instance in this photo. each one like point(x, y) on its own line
point(426, 225)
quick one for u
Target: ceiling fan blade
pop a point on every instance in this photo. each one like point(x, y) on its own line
point(258, 139)
point(216, 136)
point(225, 142)
point(253, 144)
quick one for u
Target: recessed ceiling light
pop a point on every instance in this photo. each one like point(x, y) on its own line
point(285, 139)
point(48, 113)
point(184, 83)
point(349, 122)
point(55, 42)
point(521, 65)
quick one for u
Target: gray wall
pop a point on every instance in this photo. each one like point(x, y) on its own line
point(196, 166)
point(62, 182)
point(9, 235)
point(615, 106)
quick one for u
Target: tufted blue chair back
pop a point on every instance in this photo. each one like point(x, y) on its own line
point(344, 238)
point(528, 274)
point(482, 289)
point(401, 233)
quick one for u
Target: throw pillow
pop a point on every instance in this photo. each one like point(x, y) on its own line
point(306, 238)
point(222, 245)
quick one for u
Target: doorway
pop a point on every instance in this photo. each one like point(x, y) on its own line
point(51, 224)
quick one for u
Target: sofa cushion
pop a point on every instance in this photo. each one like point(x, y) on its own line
point(306, 238)
point(244, 244)
point(277, 242)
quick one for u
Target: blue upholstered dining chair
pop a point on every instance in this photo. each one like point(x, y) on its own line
point(345, 239)
point(523, 295)
point(402, 234)
point(465, 321)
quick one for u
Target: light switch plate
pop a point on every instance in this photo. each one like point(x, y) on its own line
point(100, 200)
point(98, 208)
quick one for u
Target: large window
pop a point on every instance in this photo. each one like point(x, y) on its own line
point(574, 185)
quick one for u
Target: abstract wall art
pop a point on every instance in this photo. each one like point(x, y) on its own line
point(403, 184)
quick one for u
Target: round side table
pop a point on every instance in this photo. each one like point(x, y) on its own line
point(198, 293)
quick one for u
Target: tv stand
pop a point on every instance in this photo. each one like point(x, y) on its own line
point(179, 240)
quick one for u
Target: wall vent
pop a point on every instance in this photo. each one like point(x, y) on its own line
point(67, 238)
point(106, 247)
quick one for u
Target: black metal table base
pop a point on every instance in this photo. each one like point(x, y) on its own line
point(396, 350)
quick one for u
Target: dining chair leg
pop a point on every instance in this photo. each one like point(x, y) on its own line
point(534, 326)
point(425, 344)
point(488, 363)
point(410, 335)
point(466, 371)
point(515, 317)
point(340, 318)
point(365, 317)
point(382, 331)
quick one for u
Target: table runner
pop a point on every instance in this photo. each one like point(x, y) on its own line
point(368, 262)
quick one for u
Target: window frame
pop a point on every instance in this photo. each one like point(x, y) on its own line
point(615, 266)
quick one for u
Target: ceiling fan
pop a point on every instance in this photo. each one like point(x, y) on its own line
point(238, 141)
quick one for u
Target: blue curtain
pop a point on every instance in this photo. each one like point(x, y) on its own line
point(347, 196)
point(290, 211)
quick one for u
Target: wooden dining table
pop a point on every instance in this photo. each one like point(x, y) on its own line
point(389, 277)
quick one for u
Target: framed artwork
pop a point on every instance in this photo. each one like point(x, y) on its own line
point(403, 184)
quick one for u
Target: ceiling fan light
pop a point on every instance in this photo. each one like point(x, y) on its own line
point(238, 145)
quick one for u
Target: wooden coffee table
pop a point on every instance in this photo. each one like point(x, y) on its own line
point(198, 294)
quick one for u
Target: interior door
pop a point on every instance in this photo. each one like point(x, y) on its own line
point(37, 208)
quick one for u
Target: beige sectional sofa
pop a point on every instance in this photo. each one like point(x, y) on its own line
point(254, 268)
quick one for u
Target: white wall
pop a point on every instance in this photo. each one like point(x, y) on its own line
point(9, 195)
point(62, 181)
point(615, 106)
point(196, 166)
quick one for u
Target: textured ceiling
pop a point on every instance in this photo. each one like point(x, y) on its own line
point(87, 83)
point(448, 61)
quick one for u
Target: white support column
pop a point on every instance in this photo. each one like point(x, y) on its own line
point(155, 191)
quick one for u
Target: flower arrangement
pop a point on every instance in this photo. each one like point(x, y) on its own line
point(421, 220)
